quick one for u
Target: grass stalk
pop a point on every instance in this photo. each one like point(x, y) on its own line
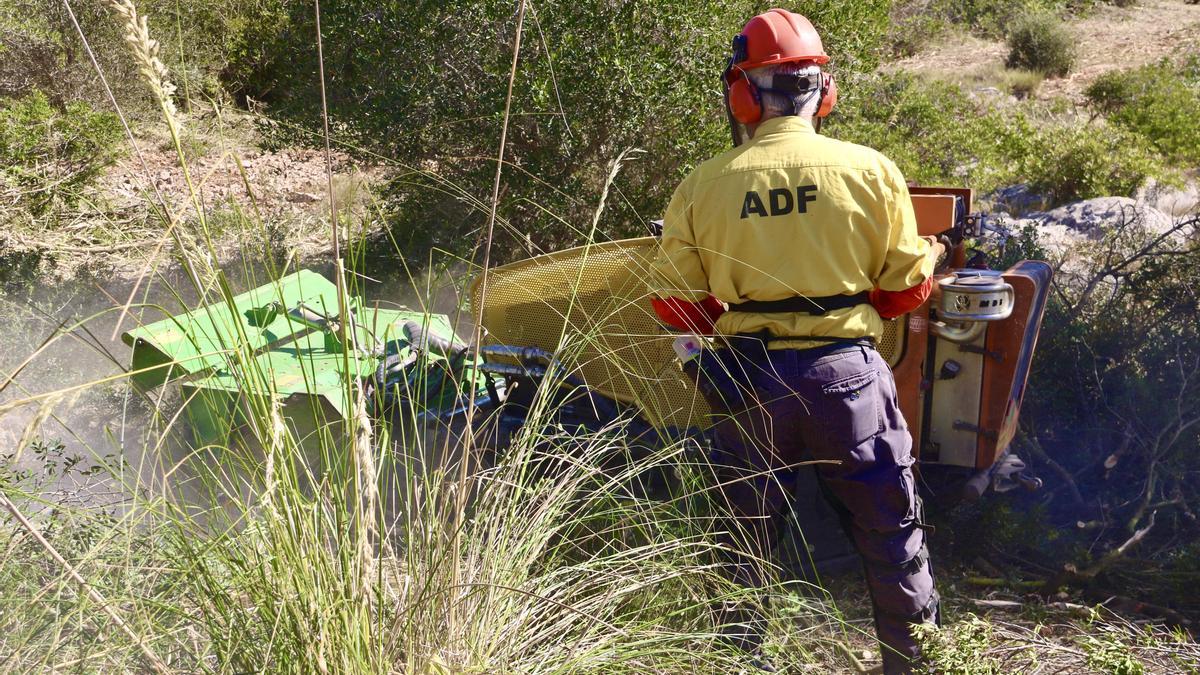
point(489, 230)
point(92, 593)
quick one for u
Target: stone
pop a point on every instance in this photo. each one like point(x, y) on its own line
point(1176, 201)
point(1093, 218)
point(1062, 230)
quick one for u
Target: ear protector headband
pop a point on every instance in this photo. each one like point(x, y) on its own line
point(744, 99)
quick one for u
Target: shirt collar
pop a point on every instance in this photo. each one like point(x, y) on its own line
point(782, 125)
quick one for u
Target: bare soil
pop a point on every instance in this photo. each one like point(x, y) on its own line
point(286, 183)
point(1108, 38)
point(248, 194)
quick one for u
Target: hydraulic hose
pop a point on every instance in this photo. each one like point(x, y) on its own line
point(427, 340)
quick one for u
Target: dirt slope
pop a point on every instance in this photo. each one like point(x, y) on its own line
point(1108, 38)
point(249, 194)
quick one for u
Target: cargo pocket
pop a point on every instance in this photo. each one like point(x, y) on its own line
point(850, 409)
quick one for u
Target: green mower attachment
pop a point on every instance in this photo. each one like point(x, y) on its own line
point(281, 343)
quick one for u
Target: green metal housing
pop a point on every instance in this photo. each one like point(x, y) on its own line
point(281, 343)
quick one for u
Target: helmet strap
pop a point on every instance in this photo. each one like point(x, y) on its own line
point(826, 85)
point(792, 94)
point(817, 119)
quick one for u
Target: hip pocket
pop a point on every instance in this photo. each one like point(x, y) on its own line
point(850, 410)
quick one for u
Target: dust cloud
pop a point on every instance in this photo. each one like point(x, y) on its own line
point(92, 439)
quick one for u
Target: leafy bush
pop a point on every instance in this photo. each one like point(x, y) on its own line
point(936, 133)
point(960, 650)
point(1158, 102)
point(214, 44)
point(992, 17)
point(201, 41)
point(915, 23)
point(1076, 162)
point(595, 79)
point(928, 128)
point(1039, 42)
point(49, 155)
point(40, 50)
point(913, 32)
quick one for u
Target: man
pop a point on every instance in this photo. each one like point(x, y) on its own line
point(811, 243)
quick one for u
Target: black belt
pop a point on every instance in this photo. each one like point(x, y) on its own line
point(836, 346)
point(755, 346)
point(802, 304)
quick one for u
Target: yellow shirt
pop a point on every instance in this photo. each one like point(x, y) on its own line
point(792, 213)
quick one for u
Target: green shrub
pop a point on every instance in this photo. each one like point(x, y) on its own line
point(49, 155)
point(916, 22)
point(911, 34)
point(201, 43)
point(1039, 42)
point(925, 127)
point(41, 51)
point(214, 44)
point(423, 84)
point(1158, 102)
point(992, 17)
point(1111, 91)
point(1067, 162)
point(958, 650)
point(937, 134)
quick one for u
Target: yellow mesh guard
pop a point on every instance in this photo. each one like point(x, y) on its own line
point(891, 345)
point(613, 340)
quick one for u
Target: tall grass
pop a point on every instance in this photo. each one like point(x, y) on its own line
point(561, 564)
point(284, 557)
point(378, 543)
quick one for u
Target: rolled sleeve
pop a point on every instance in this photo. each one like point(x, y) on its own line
point(907, 262)
point(679, 269)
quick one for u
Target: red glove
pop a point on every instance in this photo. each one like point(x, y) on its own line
point(696, 317)
point(891, 304)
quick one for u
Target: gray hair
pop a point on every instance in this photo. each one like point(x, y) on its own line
point(776, 104)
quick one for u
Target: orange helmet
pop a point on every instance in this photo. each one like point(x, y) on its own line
point(776, 36)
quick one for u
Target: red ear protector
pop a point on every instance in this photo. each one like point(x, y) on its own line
point(745, 102)
point(744, 99)
point(741, 96)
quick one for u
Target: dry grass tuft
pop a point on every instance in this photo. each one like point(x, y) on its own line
point(145, 51)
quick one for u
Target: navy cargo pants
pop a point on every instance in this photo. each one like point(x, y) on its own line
point(836, 405)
